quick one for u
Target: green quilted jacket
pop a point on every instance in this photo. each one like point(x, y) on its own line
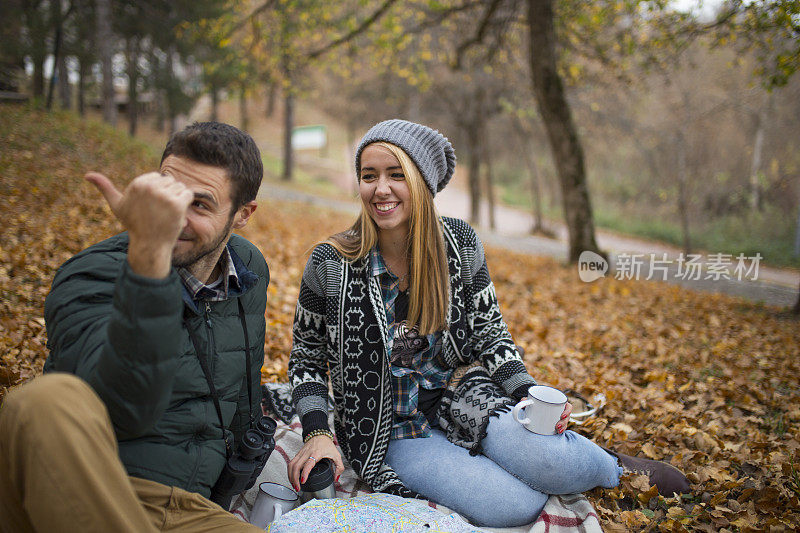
point(127, 336)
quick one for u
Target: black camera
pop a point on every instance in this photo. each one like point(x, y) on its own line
point(243, 468)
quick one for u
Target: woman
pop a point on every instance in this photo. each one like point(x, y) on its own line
point(391, 311)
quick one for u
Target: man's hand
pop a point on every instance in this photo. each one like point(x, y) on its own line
point(153, 210)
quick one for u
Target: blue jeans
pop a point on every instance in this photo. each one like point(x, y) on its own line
point(508, 485)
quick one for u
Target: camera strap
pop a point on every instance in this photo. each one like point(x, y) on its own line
point(207, 373)
point(247, 363)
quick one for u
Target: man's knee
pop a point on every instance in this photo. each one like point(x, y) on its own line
point(52, 397)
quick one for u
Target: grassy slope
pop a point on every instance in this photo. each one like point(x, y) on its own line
point(49, 213)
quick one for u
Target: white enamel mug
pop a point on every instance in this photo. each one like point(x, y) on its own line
point(272, 502)
point(543, 408)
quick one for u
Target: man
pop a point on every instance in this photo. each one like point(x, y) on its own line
point(150, 335)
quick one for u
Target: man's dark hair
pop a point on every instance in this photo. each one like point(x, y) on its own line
point(222, 145)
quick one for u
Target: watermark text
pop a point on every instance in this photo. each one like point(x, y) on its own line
point(659, 266)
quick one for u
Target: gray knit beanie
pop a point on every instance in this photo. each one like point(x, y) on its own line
point(430, 150)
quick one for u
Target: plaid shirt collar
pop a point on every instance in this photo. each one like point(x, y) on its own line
point(200, 291)
point(376, 264)
point(390, 288)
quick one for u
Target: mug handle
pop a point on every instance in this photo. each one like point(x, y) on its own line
point(277, 511)
point(517, 408)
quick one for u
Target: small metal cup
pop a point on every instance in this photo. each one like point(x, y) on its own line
point(319, 484)
point(273, 500)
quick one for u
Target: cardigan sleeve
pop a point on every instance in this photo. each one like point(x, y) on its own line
point(491, 340)
point(308, 361)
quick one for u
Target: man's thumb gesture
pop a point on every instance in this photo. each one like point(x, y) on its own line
point(106, 188)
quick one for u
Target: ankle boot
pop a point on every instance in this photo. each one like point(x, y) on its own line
point(668, 479)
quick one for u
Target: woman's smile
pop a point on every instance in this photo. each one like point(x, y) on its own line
point(386, 206)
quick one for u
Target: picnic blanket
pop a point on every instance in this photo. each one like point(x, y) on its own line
point(383, 512)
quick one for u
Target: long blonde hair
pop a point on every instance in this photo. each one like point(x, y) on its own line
point(429, 280)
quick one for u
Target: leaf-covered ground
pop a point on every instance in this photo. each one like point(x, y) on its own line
point(708, 383)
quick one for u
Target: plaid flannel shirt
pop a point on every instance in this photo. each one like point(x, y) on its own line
point(216, 292)
point(422, 369)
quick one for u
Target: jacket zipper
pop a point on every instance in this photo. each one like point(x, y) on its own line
point(200, 459)
point(211, 342)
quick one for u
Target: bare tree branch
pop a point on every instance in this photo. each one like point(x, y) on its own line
point(480, 34)
point(435, 18)
point(257, 11)
point(365, 24)
point(498, 44)
point(692, 31)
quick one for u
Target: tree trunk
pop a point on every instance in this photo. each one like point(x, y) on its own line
point(351, 150)
point(288, 124)
point(172, 115)
point(55, 72)
point(243, 117)
point(755, 165)
point(105, 40)
point(488, 177)
point(64, 92)
point(158, 88)
point(38, 77)
point(161, 113)
point(83, 69)
point(132, 58)
point(59, 77)
point(536, 192)
point(683, 193)
point(758, 147)
point(473, 174)
point(797, 236)
point(214, 103)
point(536, 196)
point(561, 132)
point(37, 29)
point(271, 90)
point(530, 161)
point(797, 254)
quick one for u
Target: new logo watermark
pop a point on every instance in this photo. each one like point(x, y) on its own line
point(686, 267)
point(591, 266)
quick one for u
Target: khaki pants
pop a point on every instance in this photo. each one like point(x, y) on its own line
point(60, 470)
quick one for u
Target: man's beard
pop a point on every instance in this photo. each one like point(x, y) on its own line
point(195, 256)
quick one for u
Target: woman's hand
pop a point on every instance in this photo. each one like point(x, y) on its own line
point(312, 452)
point(561, 427)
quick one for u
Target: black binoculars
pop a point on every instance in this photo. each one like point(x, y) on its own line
point(243, 468)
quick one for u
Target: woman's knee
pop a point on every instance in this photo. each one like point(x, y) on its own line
point(472, 486)
point(513, 508)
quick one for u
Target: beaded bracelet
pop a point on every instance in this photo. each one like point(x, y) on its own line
point(317, 433)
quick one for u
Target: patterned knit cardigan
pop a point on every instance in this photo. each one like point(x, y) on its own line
point(340, 326)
